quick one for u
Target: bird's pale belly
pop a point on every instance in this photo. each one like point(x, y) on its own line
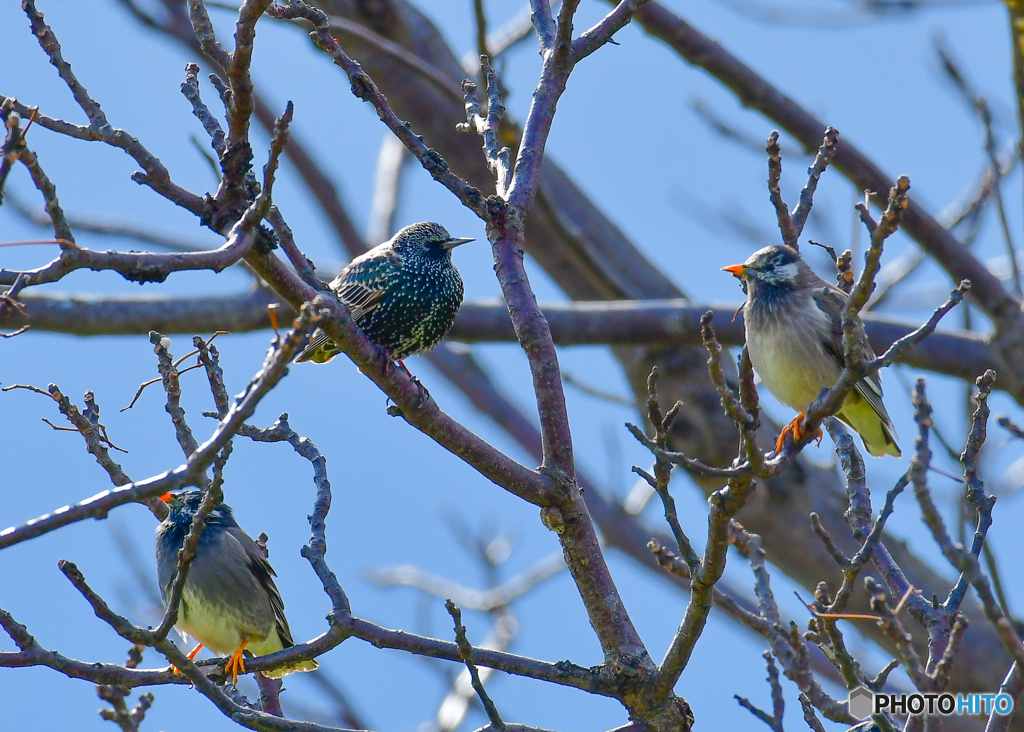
point(220, 630)
point(794, 367)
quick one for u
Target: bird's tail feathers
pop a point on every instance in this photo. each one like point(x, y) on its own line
point(865, 414)
point(891, 447)
point(876, 432)
point(277, 673)
point(321, 349)
point(870, 435)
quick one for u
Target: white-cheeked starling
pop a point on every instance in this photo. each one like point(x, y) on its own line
point(229, 603)
point(794, 323)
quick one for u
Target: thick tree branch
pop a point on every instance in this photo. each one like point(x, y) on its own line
point(618, 323)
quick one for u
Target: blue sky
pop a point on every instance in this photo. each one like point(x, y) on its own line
point(627, 135)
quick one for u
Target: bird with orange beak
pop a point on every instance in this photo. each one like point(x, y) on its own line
point(230, 603)
point(794, 325)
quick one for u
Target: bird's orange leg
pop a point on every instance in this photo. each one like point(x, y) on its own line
point(793, 428)
point(191, 657)
point(236, 664)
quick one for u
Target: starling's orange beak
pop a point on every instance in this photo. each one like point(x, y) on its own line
point(166, 497)
point(736, 270)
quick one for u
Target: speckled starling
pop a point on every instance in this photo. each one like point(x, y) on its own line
point(403, 294)
point(229, 603)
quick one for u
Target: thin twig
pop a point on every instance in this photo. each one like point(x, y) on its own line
point(790, 235)
point(466, 652)
point(194, 468)
point(773, 720)
point(821, 161)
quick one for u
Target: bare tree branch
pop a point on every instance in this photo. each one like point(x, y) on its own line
point(466, 652)
point(364, 88)
point(654, 322)
point(195, 467)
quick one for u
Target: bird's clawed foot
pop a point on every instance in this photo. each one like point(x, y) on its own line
point(793, 428)
point(236, 664)
point(421, 390)
point(191, 657)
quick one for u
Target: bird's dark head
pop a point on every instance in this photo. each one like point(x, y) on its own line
point(184, 505)
point(426, 238)
point(772, 268)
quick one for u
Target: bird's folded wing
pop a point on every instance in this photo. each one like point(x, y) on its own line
point(362, 284)
point(360, 298)
point(832, 301)
point(264, 575)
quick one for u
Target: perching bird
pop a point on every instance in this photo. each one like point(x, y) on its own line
point(229, 603)
point(794, 323)
point(403, 294)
